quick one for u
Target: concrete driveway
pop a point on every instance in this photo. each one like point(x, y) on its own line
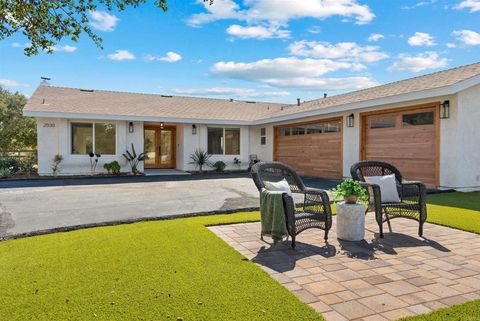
point(33, 206)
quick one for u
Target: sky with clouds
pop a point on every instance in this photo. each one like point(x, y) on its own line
point(270, 50)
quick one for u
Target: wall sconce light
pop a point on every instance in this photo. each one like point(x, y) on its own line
point(194, 129)
point(445, 109)
point(350, 120)
point(162, 125)
point(131, 128)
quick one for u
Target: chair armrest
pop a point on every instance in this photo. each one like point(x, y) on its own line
point(289, 207)
point(317, 201)
point(419, 192)
point(374, 196)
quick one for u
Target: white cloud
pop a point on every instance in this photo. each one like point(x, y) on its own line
point(282, 11)
point(257, 32)
point(468, 37)
point(103, 21)
point(12, 83)
point(421, 39)
point(65, 48)
point(451, 45)
point(121, 55)
point(341, 50)
point(169, 57)
point(293, 72)
point(419, 4)
point(472, 5)
point(420, 62)
point(20, 45)
point(230, 91)
point(375, 37)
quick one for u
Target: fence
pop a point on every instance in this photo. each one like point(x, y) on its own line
point(22, 155)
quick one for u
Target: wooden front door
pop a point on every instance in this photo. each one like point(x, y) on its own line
point(159, 145)
point(405, 138)
point(312, 149)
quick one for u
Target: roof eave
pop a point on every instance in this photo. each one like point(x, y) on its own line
point(47, 114)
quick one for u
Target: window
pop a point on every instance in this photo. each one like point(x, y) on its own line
point(298, 131)
point(315, 129)
point(82, 138)
point(332, 127)
point(426, 118)
point(382, 122)
point(284, 132)
point(224, 141)
point(263, 136)
point(99, 138)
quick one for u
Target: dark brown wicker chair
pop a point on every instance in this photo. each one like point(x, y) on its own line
point(316, 212)
point(412, 195)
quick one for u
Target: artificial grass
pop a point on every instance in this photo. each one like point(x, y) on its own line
point(165, 270)
point(469, 311)
point(457, 210)
point(169, 270)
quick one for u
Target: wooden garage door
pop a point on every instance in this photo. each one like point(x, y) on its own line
point(405, 138)
point(312, 149)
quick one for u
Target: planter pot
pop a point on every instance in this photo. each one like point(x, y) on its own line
point(351, 199)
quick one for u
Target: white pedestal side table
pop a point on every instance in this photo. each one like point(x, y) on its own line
point(350, 221)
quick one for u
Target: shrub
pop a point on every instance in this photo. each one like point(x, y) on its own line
point(57, 159)
point(134, 159)
point(200, 158)
point(5, 172)
point(219, 166)
point(113, 167)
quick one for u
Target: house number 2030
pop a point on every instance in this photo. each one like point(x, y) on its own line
point(49, 125)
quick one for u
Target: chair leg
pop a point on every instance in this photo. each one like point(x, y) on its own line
point(388, 223)
point(293, 241)
point(420, 230)
point(380, 225)
point(326, 235)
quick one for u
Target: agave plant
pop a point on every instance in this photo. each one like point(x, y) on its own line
point(200, 158)
point(134, 159)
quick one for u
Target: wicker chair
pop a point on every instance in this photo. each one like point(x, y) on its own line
point(316, 212)
point(412, 195)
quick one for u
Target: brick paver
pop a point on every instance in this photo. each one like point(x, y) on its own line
point(375, 279)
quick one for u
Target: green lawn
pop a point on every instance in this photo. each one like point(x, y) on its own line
point(168, 270)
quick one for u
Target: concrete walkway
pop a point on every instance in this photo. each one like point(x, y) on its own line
point(28, 206)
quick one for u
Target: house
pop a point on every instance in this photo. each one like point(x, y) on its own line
point(427, 126)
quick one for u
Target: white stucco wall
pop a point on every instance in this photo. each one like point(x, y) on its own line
point(468, 140)
point(200, 141)
point(54, 137)
point(263, 152)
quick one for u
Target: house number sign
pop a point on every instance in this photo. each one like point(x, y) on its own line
point(49, 125)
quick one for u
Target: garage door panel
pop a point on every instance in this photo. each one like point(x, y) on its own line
point(410, 148)
point(317, 155)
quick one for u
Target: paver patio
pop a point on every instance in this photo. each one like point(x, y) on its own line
point(375, 279)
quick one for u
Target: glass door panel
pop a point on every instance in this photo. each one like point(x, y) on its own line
point(167, 146)
point(150, 147)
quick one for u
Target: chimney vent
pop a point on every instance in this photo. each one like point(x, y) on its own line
point(325, 95)
point(44, 102)
point(298, 101)
point(45, 81)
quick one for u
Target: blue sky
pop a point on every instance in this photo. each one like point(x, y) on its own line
point(270, 50)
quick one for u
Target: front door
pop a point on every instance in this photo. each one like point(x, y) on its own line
point(159, 145)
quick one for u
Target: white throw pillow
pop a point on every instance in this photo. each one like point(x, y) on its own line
point(388, 187)
point(281, 186)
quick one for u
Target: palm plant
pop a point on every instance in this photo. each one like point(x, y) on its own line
point(133, 159)
point(200, 158)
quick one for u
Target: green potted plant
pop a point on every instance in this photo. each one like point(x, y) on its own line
point(199, 159)
point(351, 191)
point(219, 166)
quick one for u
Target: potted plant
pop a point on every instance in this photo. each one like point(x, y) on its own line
point(219, 166)
point(199, 159)
point(351, 191)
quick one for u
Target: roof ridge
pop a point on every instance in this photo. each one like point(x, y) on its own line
point(181, 96)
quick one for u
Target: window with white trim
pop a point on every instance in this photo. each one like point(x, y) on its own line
point(96, 137)
point(223, 141)
point(263, 136)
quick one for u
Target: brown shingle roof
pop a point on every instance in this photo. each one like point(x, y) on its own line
point(100, 102)
point(111, 103)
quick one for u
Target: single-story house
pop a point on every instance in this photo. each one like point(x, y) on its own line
point(427, 126)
